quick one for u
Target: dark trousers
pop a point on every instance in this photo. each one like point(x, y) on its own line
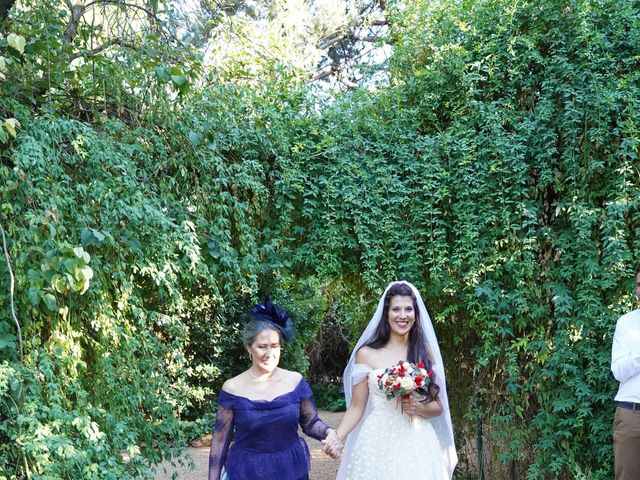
point(626, 444)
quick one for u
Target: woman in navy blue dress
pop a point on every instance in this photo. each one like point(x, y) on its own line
point(263, 407)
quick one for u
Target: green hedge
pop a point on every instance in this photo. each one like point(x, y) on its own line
point(498, 172)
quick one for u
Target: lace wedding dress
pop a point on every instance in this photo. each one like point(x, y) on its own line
point(390, 445)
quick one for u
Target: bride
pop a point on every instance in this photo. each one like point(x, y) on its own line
point(411, 439)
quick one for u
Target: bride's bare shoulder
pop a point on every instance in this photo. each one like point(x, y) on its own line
point(365, 355)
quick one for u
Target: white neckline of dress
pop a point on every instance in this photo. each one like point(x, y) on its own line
point(371, 369)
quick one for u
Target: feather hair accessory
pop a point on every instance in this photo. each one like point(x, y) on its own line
point(270, 312)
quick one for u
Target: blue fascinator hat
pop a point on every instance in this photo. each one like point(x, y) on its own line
point(270, 312)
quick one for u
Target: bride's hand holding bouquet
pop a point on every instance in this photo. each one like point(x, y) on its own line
point(412, 383)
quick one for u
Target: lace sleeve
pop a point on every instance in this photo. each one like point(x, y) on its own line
point(220, 441)
point(309, 420)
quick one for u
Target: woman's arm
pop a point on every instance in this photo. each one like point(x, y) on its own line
point(310, 422)
point(220, 441)
point(313, 426)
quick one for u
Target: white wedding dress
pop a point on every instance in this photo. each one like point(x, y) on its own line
point(390, 445)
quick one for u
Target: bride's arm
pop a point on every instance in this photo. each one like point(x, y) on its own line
point(359, 397)
point(355, 410)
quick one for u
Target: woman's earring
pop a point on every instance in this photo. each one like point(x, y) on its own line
point(250, 356)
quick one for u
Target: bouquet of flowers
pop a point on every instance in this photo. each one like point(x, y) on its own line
point(404, 378)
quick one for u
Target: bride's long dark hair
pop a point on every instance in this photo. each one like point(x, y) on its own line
point(417, 351)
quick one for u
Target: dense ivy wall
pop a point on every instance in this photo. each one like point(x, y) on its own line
point(138, 234)
point(498, 172)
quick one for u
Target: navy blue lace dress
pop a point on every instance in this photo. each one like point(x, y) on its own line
point(267, 445)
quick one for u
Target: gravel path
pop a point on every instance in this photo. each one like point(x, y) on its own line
point(323, 467)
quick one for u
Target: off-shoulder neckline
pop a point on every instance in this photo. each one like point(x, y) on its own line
point(261, 400)
point(368, 367)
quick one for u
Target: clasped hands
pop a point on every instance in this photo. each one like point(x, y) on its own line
point(332, 444)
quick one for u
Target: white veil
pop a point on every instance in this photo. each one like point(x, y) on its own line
point(355, 373)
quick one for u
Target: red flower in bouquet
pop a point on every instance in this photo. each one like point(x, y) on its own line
point(403, 378)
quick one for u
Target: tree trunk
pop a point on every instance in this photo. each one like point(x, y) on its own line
point(5, 6)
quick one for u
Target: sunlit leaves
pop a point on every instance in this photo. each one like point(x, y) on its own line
point(17, 42)
point(499, 174)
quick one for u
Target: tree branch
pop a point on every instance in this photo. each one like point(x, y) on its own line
point(330, 40)
point(77, 11)
point(321, 75)
point(344, 80)
point(368, 38)
point(122, 4)
point(104, 46)
point(336, 37)
point(11, 287)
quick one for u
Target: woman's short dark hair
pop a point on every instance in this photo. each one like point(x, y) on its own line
point(637, 269)
point(417, 351)
point(254, 327)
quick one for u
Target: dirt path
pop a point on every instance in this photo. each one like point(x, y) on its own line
point(323, 467)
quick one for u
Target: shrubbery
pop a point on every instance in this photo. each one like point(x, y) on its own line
point(498, 172)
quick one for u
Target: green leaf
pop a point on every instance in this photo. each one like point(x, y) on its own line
point(8, 341)
point(76, 284)
point(58, 283)
point(70, 264)
point(16, 42)
point(86, 273)
point(163, 74)
point(34, 296)
point(81, 254)
point(86, 237)
point(90, 236)
point(179, 80)
point(50, 302)
point(177, 76)
point(195, 138)
point(10, 125)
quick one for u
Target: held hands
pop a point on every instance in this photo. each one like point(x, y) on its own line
point(332, 444)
